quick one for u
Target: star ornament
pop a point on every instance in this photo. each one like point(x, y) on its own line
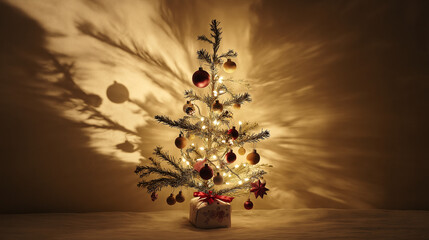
point(259, 189)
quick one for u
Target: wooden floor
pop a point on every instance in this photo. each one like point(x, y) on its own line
point(254, 224)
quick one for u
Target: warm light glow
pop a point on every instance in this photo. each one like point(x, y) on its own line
point(204, 127)
point(201, 148)
point(220, 79)
point(240, 182)
point(244, 164)
point(192, 144)
point(239, 122)
point(246, 179)
point(227, 183)
point(214, 157)
point(229, 175)
point(202, 118)
point(183, 159)
point(187, 163)
point(215, 93)
point(221, 91)
point(236, 166)
point(223, 141)
point(224, 174)
point(217, 167)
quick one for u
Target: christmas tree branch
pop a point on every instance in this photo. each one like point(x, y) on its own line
point(204, 55)
point(255, 137)
point(240, 99)
point(204, 38)
point(144, 171)
point(169, 159)
point(229, 54)
point(182, 123)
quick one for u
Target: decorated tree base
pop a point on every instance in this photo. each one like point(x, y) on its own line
point(214, 215)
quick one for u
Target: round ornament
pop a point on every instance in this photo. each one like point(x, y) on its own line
point(117, 93)
point(179, 197)
point(233, 133)
point(253, 157)
point(217, 106)
point(201, 78)
point(241, 151)
point(171, 200)
point(231, 157)
point(154, 196)
point(248, 204)
point(206, 172)
point(180, 141)
point(218, 179)
point(236, 106)
point(189, 108)
point(93, 100)
point(229, 66)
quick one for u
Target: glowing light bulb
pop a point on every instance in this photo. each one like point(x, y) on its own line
point(220, 79)
point(246, 179)
point(215, 121)
point(229, 175)
point(193, 144)
point(224, 174)
point(201, 148)
point(183, 159)
point(215, 93)
point(214, 157)
point(236, 166)
point(203, 127)
point(240, 182)
point(221, 91)
point(244, 164)
point(223, 141)
point(217, 167)
point(240, 122)
point(202, 118)
point(200, 184)
point(227, 183)
point(187, 163)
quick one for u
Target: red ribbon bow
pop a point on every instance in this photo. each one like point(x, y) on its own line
point(209, 198)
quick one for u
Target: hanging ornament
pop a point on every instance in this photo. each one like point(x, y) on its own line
point(230, 157)
point(206, 172)
point(259, 189)
point(218, 179)
point(248, 204)
point(171, 200)
point(154, 196)
point(93, 100)
point(179, 197)
point(189, 108)
point(233, 133)
point(190, 136)
point(199, 164)
point(217, 106)
point(126, 146)
point(253, 157)
point(241, 151)
point(117, 93)
point(180, 141)
point(229, 66)
point(236, 106)
point(201, 78)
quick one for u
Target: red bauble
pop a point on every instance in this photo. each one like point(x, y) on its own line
point(230, 157)
point(201, 78)
point(154, 196)
point(171, 200)
point(248, 204)
point(233, 133)
point(206, 172)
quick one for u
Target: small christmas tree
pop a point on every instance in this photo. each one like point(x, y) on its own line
point(208, 165)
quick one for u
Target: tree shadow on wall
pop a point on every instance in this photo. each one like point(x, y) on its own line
point(47, 164)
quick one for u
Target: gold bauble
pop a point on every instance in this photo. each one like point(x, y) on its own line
point(217, 106)
point(171, 200)
point(242, 151)
point(180, 142)
point(229, 66)
point(218, 179)
point(253, 157)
